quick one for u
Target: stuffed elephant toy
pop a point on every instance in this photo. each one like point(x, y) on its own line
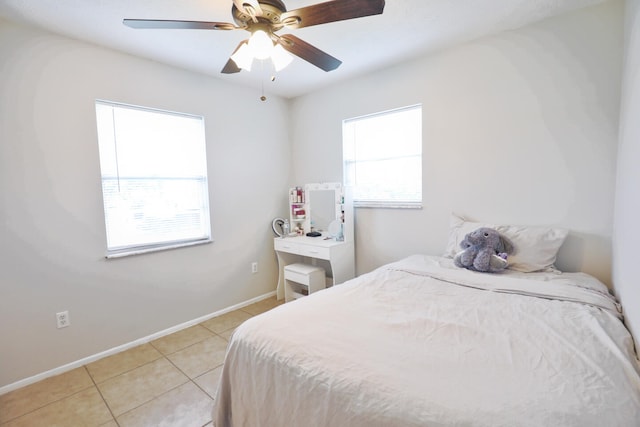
point(484, 250)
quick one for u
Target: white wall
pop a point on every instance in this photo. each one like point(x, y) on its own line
point(627, 209)
point(518, 128)
point(51, 220)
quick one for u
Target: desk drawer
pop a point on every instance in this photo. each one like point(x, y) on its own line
point(292, 247)
point(314, 251)
point(284, 245)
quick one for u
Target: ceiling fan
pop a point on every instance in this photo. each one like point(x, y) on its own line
point(267, 17)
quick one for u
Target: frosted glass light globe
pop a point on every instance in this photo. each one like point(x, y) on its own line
point(261, 45)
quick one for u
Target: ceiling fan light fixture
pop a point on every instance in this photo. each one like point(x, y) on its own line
point(260, 44)
point(280, 57)
point(243, 57)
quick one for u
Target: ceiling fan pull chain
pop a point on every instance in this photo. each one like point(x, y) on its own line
point(262, 97)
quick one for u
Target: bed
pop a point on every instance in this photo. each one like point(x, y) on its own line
point(420, 342)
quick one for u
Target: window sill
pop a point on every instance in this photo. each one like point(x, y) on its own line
point(387, 205)
point(148, 249)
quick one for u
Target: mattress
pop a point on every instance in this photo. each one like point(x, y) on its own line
point(420, 342)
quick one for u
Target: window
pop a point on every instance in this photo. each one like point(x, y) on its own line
point(154, 178)
point(382, 156)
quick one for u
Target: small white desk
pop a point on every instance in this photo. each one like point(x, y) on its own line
point(303, 249)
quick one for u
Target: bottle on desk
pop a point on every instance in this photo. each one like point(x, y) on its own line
point(285, 228)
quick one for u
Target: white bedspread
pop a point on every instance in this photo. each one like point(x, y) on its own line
point(406, 346)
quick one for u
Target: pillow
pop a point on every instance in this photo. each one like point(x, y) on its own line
point(535, 248)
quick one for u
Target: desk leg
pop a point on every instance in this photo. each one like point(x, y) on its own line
point(342, 264)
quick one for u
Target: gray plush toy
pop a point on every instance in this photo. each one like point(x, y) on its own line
point(484, 250)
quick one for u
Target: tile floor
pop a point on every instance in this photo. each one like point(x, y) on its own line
point(170, 381)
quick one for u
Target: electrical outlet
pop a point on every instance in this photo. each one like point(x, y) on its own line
point(254, 267)
point(62, 319)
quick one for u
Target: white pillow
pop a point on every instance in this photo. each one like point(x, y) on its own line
point(535, 248)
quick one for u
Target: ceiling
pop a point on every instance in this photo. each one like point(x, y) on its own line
point(407, 29)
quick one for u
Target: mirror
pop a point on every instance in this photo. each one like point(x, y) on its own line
point(323, 204)
point(323, 209)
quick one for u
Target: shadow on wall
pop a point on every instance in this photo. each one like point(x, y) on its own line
point(589, 253)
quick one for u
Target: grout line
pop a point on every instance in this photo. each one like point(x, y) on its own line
point(203, 390)
point(102, 397)
point(158, 396)
point(177, 367)
point(156, 348)
point(193, 380)
point(47, 404)
point(128, 370)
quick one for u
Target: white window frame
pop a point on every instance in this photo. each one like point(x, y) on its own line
point(359, 131)
point(162, 200)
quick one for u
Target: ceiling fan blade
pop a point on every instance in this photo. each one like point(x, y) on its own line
point(231, 67)
point(331, 11)
point(309, 53)
point(241, 6)
point(180, 25)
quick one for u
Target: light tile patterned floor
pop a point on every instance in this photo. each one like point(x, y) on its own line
point(169, 382)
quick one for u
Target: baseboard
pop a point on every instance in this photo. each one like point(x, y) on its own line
point(78, 363)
